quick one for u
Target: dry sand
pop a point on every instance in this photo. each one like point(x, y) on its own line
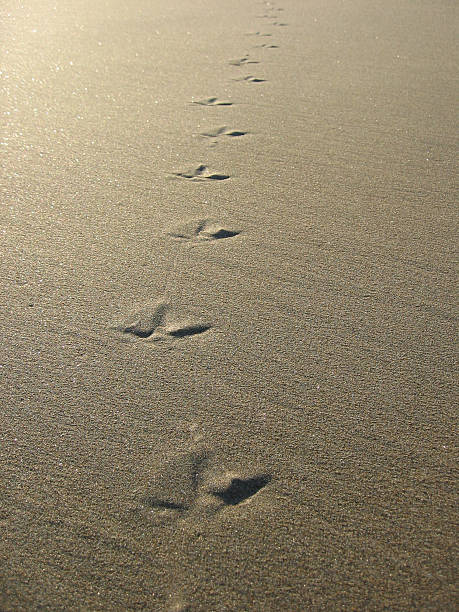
point(228, 330)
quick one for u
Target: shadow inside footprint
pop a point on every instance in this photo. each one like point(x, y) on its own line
point(222, 233)
point(202, 173)
point(154, 324)
point(174, 487)
point(251, 79)
point(214, 133)
point(135, 330)
point(241, 489)
point(234, 133)
point(188, 330)
point(203, 230)
point(213, 102)
point(223, 131)
point(144, 323)
point(242, 61)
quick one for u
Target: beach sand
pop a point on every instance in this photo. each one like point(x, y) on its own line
point(228, 331)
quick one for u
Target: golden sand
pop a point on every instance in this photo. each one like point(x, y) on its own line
point(227, 246)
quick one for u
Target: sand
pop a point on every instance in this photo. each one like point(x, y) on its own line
point(228, 331)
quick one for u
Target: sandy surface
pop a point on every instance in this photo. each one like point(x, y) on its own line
point(228, 330)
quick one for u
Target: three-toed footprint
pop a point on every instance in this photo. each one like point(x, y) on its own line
point(203, 230)
point(258, 34)
point(192, 485)
point(250, 79)
point(212, 102)
point(158, 322)
point(201, 173)
point(223, 131)
point(243, 61)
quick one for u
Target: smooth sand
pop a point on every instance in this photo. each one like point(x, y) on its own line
point(227, 393)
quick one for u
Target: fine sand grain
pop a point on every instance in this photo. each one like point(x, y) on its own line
point(228, 331)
